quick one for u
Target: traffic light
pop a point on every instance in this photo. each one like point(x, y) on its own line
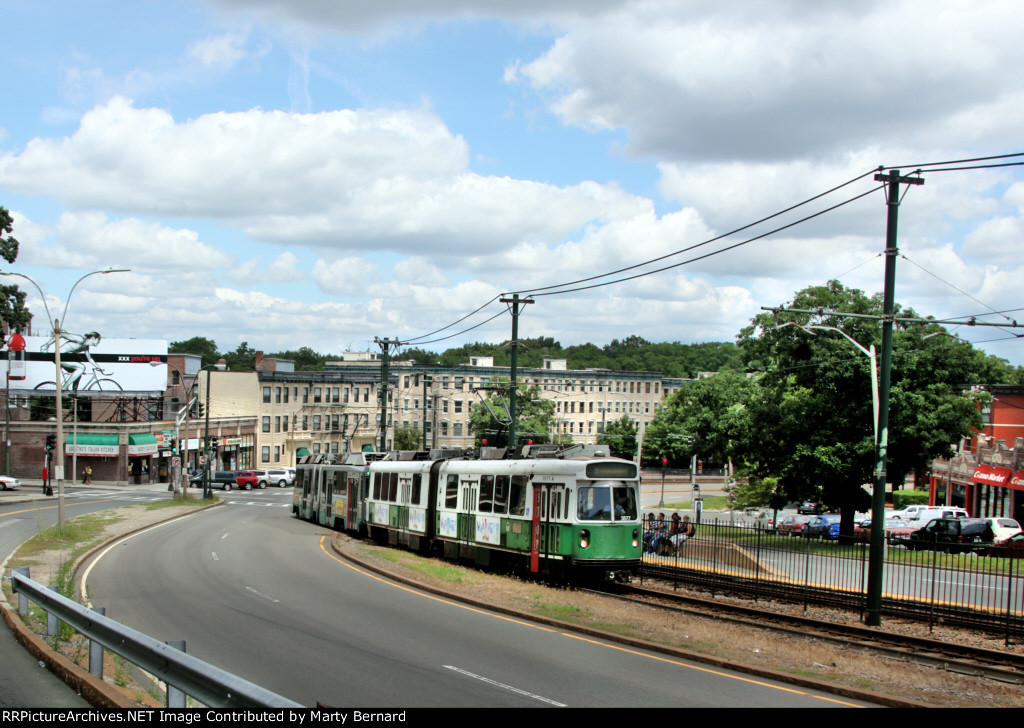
point(197, 409)
point(51, 441)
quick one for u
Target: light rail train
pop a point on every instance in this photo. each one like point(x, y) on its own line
point(569, 512)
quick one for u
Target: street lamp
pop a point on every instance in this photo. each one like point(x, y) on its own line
point(55, 325)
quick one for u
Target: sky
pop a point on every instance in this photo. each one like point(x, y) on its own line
point(316, 173)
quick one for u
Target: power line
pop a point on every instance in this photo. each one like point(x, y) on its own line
point(705, 242)
point(713, 253)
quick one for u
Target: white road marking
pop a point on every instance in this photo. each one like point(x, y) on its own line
point(261, 594)
point(487, 680)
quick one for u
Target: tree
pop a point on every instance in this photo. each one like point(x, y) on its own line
point(408, 437)
point(620, 437)
point(707, 418)
point(812, 422)
point(198, 345)
point(13, 313)
point(489, 419)
point(242, 359)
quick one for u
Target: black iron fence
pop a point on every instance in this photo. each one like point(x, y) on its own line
point(981, 587)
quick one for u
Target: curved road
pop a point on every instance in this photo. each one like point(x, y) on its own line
point(257, 592)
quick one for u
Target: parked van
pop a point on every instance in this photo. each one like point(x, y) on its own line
point(918, 516)
point(953, 535)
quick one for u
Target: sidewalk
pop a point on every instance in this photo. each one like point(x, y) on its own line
point(32, 489)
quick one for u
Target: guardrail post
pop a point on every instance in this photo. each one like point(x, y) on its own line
point(52, 623)
point(175, 697)
point(22, 599)
point(96, 650)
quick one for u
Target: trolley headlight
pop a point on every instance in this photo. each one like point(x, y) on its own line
point(636, 538)
point(584, 538)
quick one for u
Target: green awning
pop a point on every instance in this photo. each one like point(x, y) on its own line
point(301, 452)
point(85, 439)
point(97, 445)
point(143, 443)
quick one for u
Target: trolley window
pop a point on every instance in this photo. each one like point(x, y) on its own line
point(517, 496)
point(606, 503)
point(417, 482)
point(451, 492)
point(501, 485)
point(485, 504)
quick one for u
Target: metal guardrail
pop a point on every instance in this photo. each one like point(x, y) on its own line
point(207, 683)
point(973, 589)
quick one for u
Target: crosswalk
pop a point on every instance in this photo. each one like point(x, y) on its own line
point(152, 497)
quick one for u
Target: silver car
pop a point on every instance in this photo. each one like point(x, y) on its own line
point(281, 477)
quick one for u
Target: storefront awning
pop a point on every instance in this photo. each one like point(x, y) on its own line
point(94, 445)
point(991, 475)
point(142, 444)
point(301, 452)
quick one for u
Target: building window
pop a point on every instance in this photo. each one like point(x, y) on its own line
point(316, 395)
point(265, 454)
point(277, 424)
point(305, 422)
point(277, 395)
point(316, 423)
point(284, 421)
point(336, 395)
point(266, 424)
point(305, 395)
point(458, 406)
point(266, 395)
point(175, 378)
point(277, 453)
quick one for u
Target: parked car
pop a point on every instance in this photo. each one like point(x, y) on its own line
point(862, 529)
point(807, 508)
point(1011, 547)
point(8, 483)
point(1003, 528)
point(247, 480)
point(953, 535)
point(825, 526)
point(793, 525)
point(765, 521)
point(223, 479)
point(280, 477)
point(920, 515)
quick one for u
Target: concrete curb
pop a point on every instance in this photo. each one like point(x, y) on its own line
point(96, 691)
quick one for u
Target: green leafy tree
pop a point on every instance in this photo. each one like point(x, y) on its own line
point(198, 345)
point(489, 419)
point(812, 421)
point(13, 313)
point(621, 438)
point(707, 418)
point(408, 437)
point(242, 359)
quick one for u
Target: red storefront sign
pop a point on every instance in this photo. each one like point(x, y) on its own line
point(992, 475)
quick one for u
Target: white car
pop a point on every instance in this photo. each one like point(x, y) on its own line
point(8, 483)
point(1003, 528)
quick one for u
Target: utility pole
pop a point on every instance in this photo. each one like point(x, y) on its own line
point(512, 398)
point(876, 553)
point(427, 381)
point(385, 361)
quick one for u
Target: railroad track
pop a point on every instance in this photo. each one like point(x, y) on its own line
point(983, 662)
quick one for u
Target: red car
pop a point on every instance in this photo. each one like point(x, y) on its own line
point(793, 525)
point(247, 480)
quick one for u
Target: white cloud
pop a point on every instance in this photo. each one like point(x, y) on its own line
point(218, 51)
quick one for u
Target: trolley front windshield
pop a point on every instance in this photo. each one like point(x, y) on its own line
point(611, 502)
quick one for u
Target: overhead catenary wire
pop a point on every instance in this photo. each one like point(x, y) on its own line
point(702, 243)
point(705, 255)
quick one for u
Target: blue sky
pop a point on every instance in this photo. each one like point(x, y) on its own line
point(316, 173)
